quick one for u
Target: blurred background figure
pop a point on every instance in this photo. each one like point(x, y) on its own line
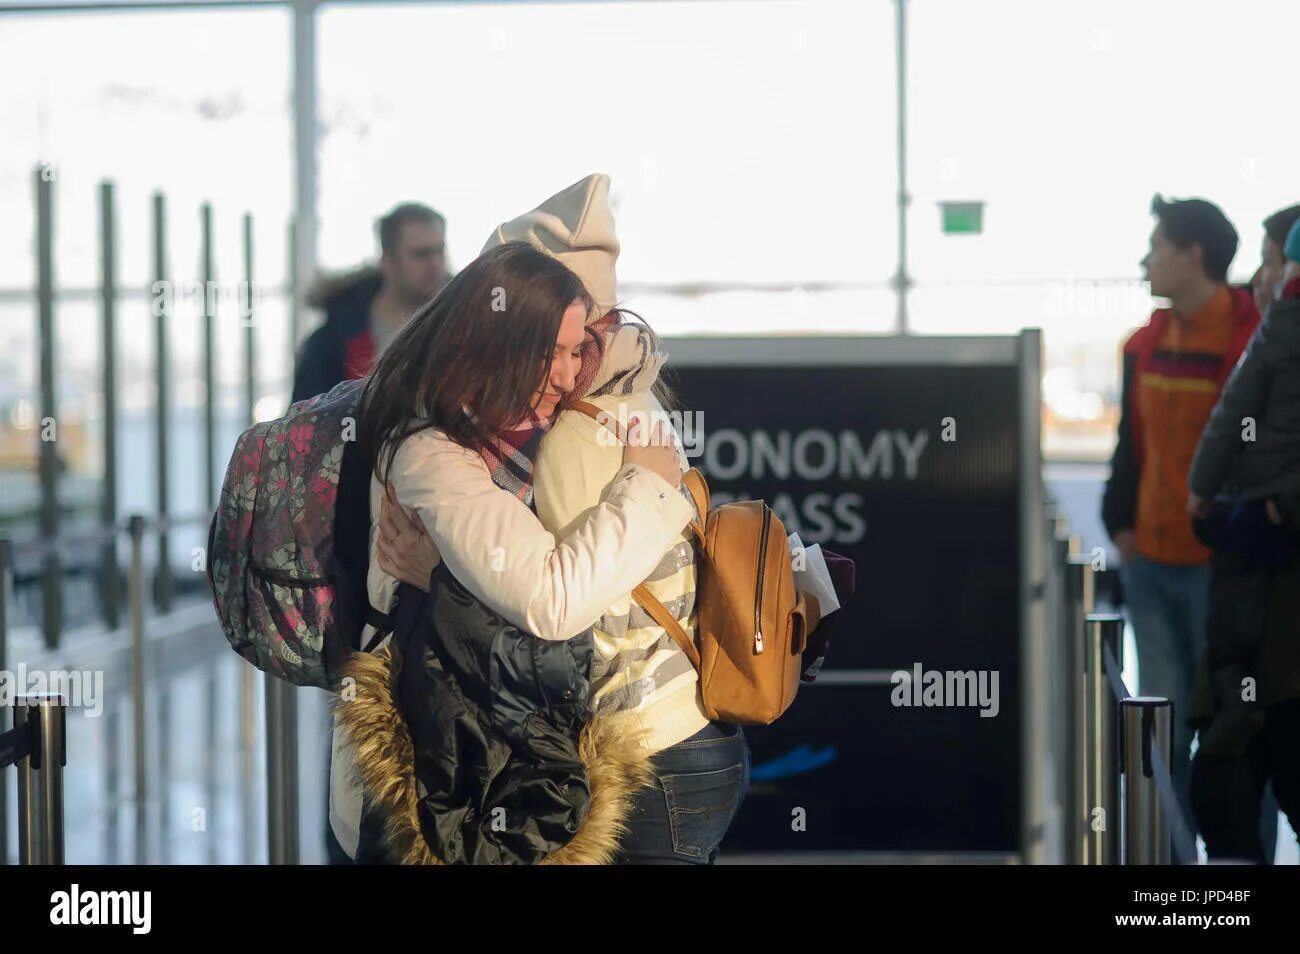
point(1265, 283)
point(1174, 369)
point(1245, 493)
point(366, 307)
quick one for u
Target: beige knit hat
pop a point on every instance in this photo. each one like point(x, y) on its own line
point(576, 226)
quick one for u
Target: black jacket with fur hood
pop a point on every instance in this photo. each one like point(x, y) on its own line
point(476, 744)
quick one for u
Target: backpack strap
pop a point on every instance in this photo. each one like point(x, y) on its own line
point(692, 479)
point(659, 613)
point(700, 495)
point(699, 492)
point(383, 624)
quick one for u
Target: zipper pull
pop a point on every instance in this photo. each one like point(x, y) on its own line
point(758, 641)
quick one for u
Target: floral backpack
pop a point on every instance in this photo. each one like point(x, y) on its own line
point(289, 542)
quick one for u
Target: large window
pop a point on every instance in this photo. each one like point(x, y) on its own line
point(1065, 119)
point(192, 104)
point(751, 145)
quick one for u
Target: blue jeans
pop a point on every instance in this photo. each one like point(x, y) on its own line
point(1167, 606)
point(698, 788)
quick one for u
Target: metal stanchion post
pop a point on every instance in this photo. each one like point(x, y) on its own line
point(1056, 593)
point(248, 762)
point(48, 459)
point(1102, 631)
point(110, 573)
point(135, 593)
point(6, 568)
point(1148, 727)
point(40, 780)
point(1080, 600)
point(281, 771)
point(162, 377)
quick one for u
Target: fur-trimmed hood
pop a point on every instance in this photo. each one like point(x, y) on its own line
point(329, 289)
point(615, 763)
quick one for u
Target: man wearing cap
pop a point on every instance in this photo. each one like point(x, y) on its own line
point(1174, 369)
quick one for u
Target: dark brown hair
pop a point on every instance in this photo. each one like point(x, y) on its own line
point(1189, 222)
point(485, 342)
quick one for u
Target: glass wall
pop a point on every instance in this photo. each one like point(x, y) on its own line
point(751, 146)
point(194, 104)
point(1065, 119)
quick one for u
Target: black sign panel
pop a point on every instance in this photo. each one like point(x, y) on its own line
point(913, 472)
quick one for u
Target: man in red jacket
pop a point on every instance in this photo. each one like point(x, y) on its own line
point(1174, 369)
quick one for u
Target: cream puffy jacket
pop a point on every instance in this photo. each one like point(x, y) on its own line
point(638, 667)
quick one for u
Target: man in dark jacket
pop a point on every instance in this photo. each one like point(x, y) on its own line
point(1174, 368)
point(364, 309)
point(1247, 702)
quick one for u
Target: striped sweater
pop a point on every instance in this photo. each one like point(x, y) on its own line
point(638, 667)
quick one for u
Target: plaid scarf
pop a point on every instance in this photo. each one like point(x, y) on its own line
point(510, 454)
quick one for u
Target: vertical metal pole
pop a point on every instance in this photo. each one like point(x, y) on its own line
point(209, 361)
point(281, 697)
point(1103, 631)
point(248, 722)
point(135, 590)
point(902, 281)
point(40, 780)
point(163, 736)
point(6, 575)
point(212, 721)
point(162, 309)
point(1054, 651)
point(112, 782)
point(294, 305)
point(306, 133)
point(1148, 725)
point(274, 792)
point(1081, 599)
point(111, 572)
point(1033, 610)
point(281, 711)
point(48, 463)
point(281, 771)
point(249, 320)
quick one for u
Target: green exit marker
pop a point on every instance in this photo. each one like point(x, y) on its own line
point(962, 218)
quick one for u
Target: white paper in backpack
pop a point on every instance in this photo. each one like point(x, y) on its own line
point(814, 578)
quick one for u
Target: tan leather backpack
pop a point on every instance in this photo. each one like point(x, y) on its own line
point(752, 623)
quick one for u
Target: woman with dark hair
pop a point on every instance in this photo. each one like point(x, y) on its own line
point(471, 728)
point(699, 768)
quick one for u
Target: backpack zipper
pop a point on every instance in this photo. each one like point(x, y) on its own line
point(284, 578)
point(758, 592)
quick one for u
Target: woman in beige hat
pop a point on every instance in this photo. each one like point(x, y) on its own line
point(699, 769)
